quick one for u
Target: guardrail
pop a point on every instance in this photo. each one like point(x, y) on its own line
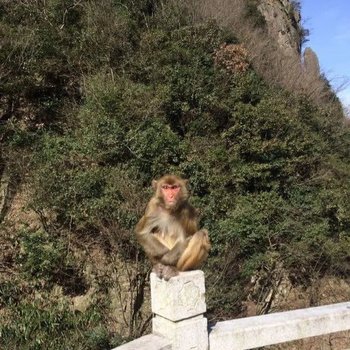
point(179, 323)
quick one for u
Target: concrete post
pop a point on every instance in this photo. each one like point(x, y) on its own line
point(178, 306)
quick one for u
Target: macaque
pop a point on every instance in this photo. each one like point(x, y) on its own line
point(168, 231)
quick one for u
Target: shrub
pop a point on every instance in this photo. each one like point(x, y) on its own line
point(45, 260)
point(232, 57)
point(39, 255)
point(34, 326)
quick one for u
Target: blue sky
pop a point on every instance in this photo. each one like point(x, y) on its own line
point(329, 24)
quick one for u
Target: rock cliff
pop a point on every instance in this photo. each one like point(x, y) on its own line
point(283, 21)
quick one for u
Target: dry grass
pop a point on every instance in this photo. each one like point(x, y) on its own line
point(270, 61)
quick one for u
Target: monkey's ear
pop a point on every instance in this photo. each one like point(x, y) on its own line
point(186, 182)
point(154, 184)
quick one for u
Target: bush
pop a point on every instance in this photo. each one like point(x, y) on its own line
point(31, 326)
point(39, 255)
point(45, 260)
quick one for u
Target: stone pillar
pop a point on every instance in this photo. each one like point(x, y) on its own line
point(178, 306)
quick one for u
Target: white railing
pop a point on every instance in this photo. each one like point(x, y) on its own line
point(178, 322)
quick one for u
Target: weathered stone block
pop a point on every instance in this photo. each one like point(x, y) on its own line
point(190, 334)
point(179, 298)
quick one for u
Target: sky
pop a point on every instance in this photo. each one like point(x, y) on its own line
point(329, 24)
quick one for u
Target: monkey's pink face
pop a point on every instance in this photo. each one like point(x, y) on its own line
point(170, 193)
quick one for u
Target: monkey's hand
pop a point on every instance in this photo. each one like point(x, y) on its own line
point(170, 259)
point(161, 251)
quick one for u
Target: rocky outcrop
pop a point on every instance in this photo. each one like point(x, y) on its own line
point(311, 64)
point(283, 23)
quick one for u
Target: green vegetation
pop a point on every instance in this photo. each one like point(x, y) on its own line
point(56, 327)
point(99, 99)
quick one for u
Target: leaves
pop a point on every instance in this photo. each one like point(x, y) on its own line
point(99, 99)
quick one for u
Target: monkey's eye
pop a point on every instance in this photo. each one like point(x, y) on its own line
point(170, 187)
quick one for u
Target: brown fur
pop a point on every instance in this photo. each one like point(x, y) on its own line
point(169, 233)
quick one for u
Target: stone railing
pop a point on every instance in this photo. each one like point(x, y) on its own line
point(178, 322)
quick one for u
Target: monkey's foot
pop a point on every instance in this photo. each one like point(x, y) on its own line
point(158, 270)
point(169, 271)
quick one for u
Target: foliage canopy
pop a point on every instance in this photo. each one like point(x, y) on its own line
point(99, 99)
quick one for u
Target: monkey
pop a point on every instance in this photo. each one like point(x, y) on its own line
point(168, 230)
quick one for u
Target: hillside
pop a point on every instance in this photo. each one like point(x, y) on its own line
point(99, 98)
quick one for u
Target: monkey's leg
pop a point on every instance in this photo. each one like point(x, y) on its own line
point(196, 252)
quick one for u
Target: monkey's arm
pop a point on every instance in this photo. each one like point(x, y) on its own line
point(152, 246)
point(173, 255)
point(190, 220)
